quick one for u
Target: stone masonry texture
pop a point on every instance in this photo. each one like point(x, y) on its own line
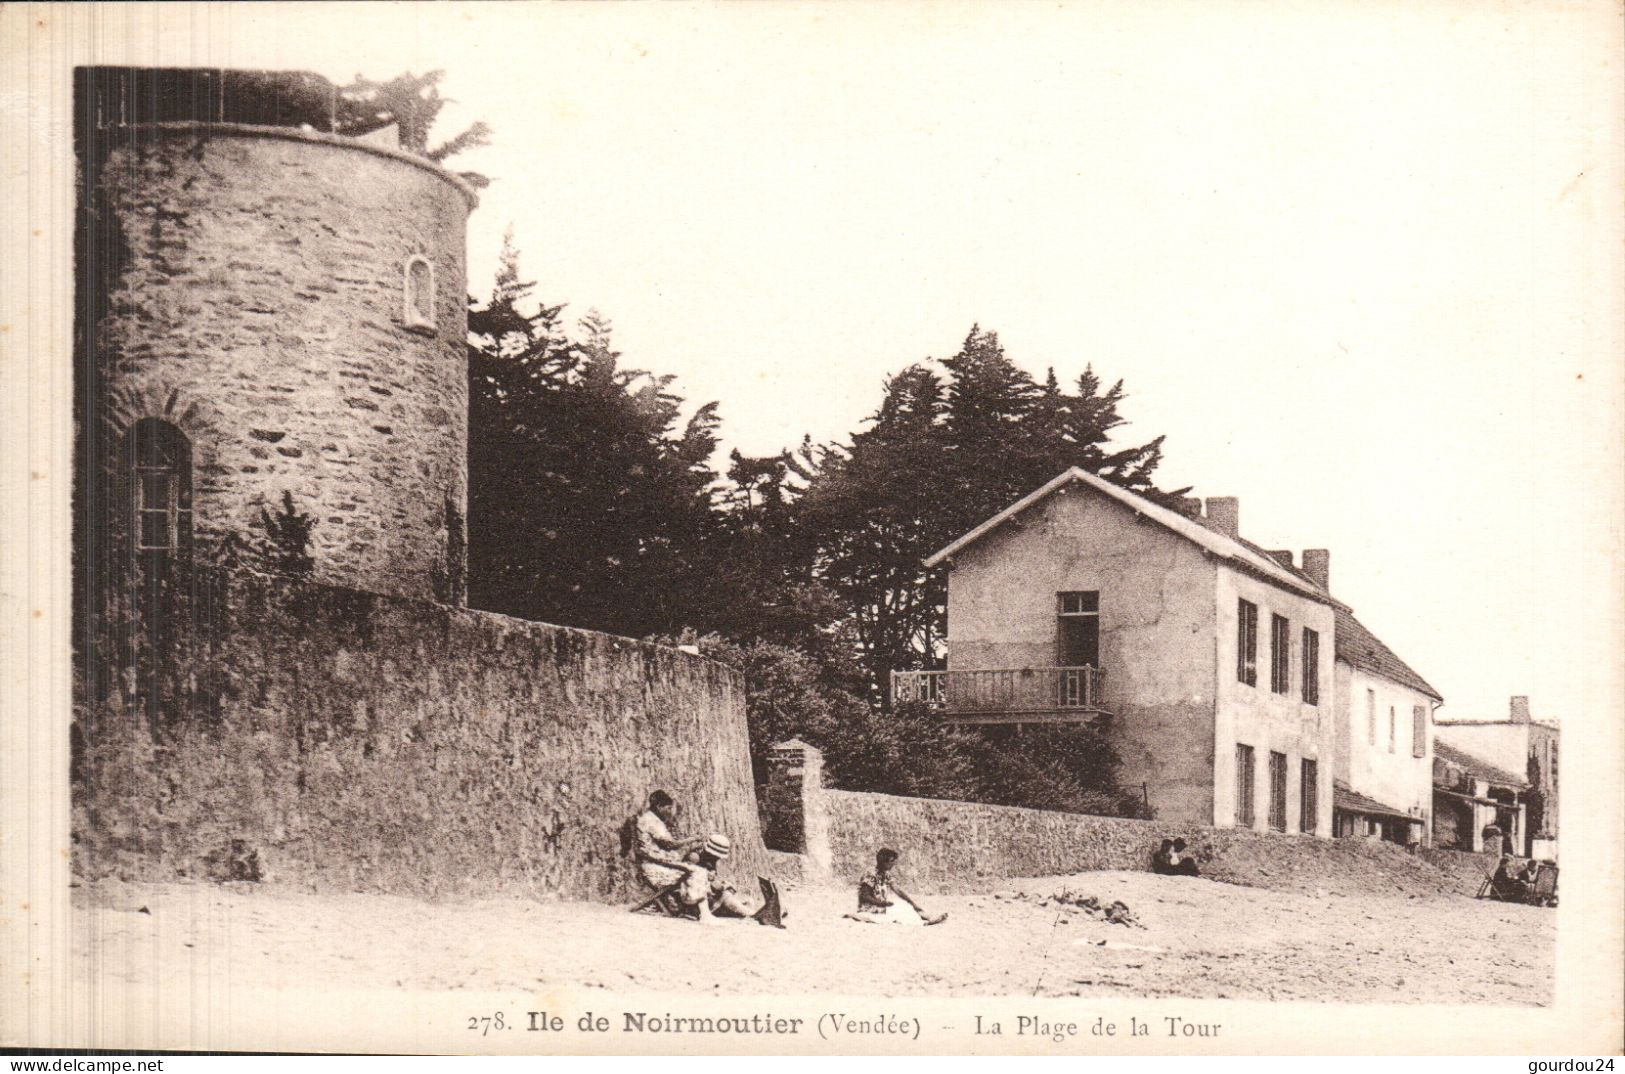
point(951, 846)
point(357, 741)
point(256, 301)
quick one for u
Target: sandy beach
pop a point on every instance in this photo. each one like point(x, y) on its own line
point(1200, 939)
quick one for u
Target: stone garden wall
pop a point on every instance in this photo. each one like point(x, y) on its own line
point(362, 742)
point(966, 846)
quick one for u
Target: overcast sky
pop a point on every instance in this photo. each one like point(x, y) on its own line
point(1338, 253)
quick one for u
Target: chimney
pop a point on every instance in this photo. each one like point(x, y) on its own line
point(1283, 556)
point(1224, 515)
point(1520, 709)
point(1317, 564)
point(1190, 507)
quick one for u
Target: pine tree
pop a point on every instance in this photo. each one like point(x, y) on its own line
point(590, 500)
point(941, 454)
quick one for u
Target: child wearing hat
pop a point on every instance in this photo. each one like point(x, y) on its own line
point(704, 890)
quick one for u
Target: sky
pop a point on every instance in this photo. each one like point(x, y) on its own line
point(1345, 255)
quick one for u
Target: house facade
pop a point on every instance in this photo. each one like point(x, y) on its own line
point(1384, 734)
point(1477, 805)
point(1207, 660)
point(1518, 745)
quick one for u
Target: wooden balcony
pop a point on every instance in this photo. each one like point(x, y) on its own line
point(1004, 695)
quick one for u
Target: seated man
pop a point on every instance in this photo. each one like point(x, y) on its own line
point(876, 904)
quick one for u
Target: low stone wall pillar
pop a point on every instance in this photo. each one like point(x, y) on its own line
point(797, 815)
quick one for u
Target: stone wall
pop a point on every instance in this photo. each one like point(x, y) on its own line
point(363, 742)
point(964, 846)
point(247, 285)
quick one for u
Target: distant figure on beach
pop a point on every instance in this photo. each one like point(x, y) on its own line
point(1162, 859)
point(1181, 863)
point(881, 901)
point(1505, 886)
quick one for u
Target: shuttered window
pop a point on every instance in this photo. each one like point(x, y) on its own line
point(1280, 655)
point(1311, 667)
point(1278, 791)
point(1244, 786)
point(1247, 642)
point(1309, 798)
point(1419, 731)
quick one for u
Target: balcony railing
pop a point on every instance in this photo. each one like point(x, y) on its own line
point(1000, 694)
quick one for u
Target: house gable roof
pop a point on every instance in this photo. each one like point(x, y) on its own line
point(1360, 648)
point(1476, 767)
point(1550, 725)
point(1350, 800)
point(1239, 554)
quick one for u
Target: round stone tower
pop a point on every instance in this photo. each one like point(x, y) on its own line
point(277, 321)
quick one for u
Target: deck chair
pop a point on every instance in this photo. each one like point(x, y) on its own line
point(664, 901)
point(1499, 890)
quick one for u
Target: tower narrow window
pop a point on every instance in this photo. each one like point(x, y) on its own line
point(419, 294)
point(158, 467)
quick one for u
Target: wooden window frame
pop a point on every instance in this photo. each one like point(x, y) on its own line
point(144, 439)
point(1085, 607)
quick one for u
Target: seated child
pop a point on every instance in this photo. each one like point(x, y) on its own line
point(1181, 863)
point(704, 893)
point(881, 901)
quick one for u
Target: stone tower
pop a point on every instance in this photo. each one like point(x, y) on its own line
point(269, 313)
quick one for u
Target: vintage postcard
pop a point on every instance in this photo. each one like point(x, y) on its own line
point(1075, 529)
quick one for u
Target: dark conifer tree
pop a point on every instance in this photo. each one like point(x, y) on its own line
point(590, 500)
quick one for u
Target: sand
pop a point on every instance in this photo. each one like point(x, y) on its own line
point(1200, 939)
